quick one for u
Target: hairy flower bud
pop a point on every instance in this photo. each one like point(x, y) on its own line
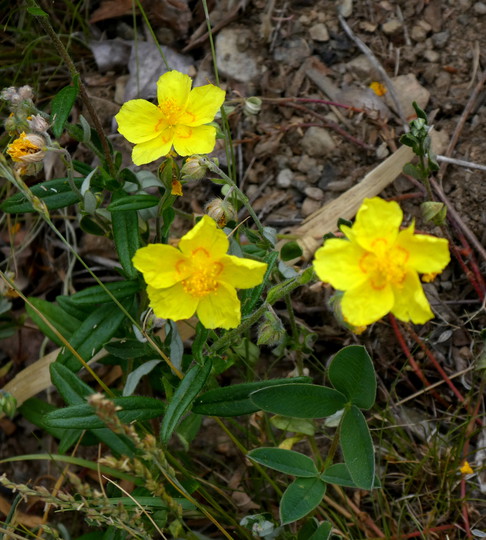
point(221, 211)
point(193, 169)
point(252, 106)
point(38, 123)
point(8, 404)
point(434, 212)
point(271, 332)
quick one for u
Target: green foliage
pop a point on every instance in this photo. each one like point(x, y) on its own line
point(285, 461)
point(300, 498)
point(61, 106)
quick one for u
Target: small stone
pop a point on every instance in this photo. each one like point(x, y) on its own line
point(328, 175)
point(431, 56)
point(317, 142)
point(314, 193)
point(306, 164)
point(479, 8)
point(319, 32)
point(292, 53)
point(443, 81)
point(391, 27)
point(361, 67)
point(408, 89)
point(232, 62)
point(346, 8)
point(418, 33)
point(441, 39)
point(284, 178)
point(309, 206)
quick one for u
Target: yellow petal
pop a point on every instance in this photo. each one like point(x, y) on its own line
point(411, 304)
point(206, 235)
point(172, 303)
point(337, 263)
point(466, 468)
point(364, 305)
point(203, 104)
point(174, 87)
point(428, 254)
point(220, 309)
point(138, 120)
point(241, 273)
point(377, 220)
point(149, 151)
point(161, 265)
point(194, 140)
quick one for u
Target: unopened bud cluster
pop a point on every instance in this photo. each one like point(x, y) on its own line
point(221, 211)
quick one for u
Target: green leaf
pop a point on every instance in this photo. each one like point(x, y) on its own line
point(127, 239)
point(100, 294)
point(296, 425)
point(300, 498)
point(74, 392)
point(35, 411)
point(37, 11)
point(134, 377)
point(92, 334)
point(352, 373)
point(290, 250)
point(134, 409)
point(357, 448)
point(413, 171)
point(420, 113)
point(129, 349)
point(338, 474)
point(133, 202)
point(62, 321)
point(323, 532)
point(253, 296)
point(183, 397)
point(235, 400)
point(299, 400)
point(54, 193)
point(61, 106)
point(285, 461)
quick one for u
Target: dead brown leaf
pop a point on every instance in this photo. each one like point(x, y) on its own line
point(109, 9)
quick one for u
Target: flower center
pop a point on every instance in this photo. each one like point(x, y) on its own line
point(385, 264)
point(203, 274)
point(171, 111)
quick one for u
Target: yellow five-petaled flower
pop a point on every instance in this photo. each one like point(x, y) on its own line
point(179, 119)
point(377, 265)
point(197, 277)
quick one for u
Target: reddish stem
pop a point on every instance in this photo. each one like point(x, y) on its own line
point(411, 359)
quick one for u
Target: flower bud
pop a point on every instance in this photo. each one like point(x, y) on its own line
point(8, 404)
point(221, 211)
point(37, 123)
point(252, 106)
point(434, 212)
point(271, 332)
point(193, 169)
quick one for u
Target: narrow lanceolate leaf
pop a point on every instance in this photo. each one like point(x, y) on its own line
point(127, 239)
point(300, 498)
point(102, 294)
point(235, 400)
point(74, 391)
point(61, 106)
point(299, 400)
point(57, 317)
point(133, 409)
point(183, 397)
point(133, 202)
point(352, 373)
point(285, 461)
point(357, 448)
point(97, 329)
point(54, 193)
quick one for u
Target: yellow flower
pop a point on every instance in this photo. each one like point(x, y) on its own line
point(378, 88)
point(377, 265)
point(27, 148)
point(178, 120)
point(466, 468)
point(198, 277)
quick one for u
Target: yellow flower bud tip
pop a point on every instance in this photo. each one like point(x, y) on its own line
point(466, 468)
point(176, 188)
point(27, 148)
point(377, 266)
point(378, 88)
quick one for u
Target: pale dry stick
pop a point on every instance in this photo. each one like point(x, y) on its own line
point(137, 504)
point(461, 163)
point(377, 65)
point(460, 125)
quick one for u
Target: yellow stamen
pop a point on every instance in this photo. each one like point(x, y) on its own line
point(202, 280)
point(22, 147)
